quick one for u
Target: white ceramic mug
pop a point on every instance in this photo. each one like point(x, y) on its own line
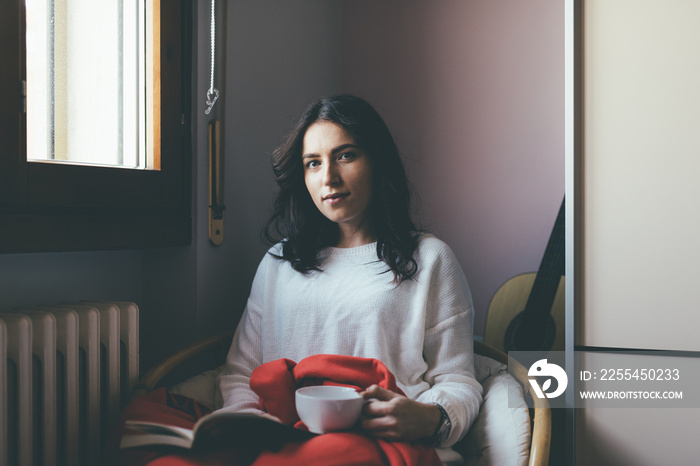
point(327, 408)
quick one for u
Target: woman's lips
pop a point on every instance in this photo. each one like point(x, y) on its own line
point(335, 198)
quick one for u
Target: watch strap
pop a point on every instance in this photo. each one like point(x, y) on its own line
point(443, 429)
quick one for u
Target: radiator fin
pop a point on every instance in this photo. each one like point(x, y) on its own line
point(66, 371)
point(17, 431)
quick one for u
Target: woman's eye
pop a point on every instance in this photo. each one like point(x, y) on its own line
point(347, 156)
point(312, 164)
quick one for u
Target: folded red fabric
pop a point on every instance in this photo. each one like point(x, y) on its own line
point(276, 382)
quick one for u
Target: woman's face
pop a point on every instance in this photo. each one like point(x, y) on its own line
point(338, 175)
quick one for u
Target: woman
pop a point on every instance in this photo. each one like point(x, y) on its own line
point(353, 276)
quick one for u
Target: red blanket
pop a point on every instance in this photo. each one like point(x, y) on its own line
point(275, 382)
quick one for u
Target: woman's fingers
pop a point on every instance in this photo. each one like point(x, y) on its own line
point(377, 408)
point(398, 418)
point(382, 394)
point(379, 423)
point(380, 401)
point(384, 427)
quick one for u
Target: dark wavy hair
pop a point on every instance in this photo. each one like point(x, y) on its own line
point(305, 230)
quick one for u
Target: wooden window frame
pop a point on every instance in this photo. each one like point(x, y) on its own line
point(59, 207)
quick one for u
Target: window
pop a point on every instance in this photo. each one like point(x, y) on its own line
point(85, 79)
point(59, 206)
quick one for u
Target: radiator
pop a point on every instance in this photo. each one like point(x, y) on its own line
point(65, 373)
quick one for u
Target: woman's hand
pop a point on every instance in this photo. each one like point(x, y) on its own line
point(391, 416)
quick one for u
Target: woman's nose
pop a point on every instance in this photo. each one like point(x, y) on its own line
point(330, 175)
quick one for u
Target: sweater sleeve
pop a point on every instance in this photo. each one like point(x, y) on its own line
point(448, 346)
point(234, 392)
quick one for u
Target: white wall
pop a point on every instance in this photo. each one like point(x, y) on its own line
point(640, 225)
point(641, 165)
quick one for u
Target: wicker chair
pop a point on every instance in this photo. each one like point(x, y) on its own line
point(214, 349)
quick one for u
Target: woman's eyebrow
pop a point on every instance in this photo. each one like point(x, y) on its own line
point(335, 150)
point(342, 147)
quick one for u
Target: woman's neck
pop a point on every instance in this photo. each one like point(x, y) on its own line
point(350, 237)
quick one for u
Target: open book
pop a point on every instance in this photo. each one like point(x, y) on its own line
point(219, 429)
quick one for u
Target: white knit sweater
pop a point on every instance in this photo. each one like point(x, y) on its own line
point(421, 330)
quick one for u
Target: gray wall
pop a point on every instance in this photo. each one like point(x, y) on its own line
point(472, 90)
point(31, 279)
point(280, 55)
point(273, 57)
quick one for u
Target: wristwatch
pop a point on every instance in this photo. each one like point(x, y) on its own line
point(443, 429)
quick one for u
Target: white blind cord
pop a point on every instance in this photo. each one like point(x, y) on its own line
point(212, 93)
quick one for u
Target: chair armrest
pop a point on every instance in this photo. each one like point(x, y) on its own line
point(151, 379)
point(542, 425)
